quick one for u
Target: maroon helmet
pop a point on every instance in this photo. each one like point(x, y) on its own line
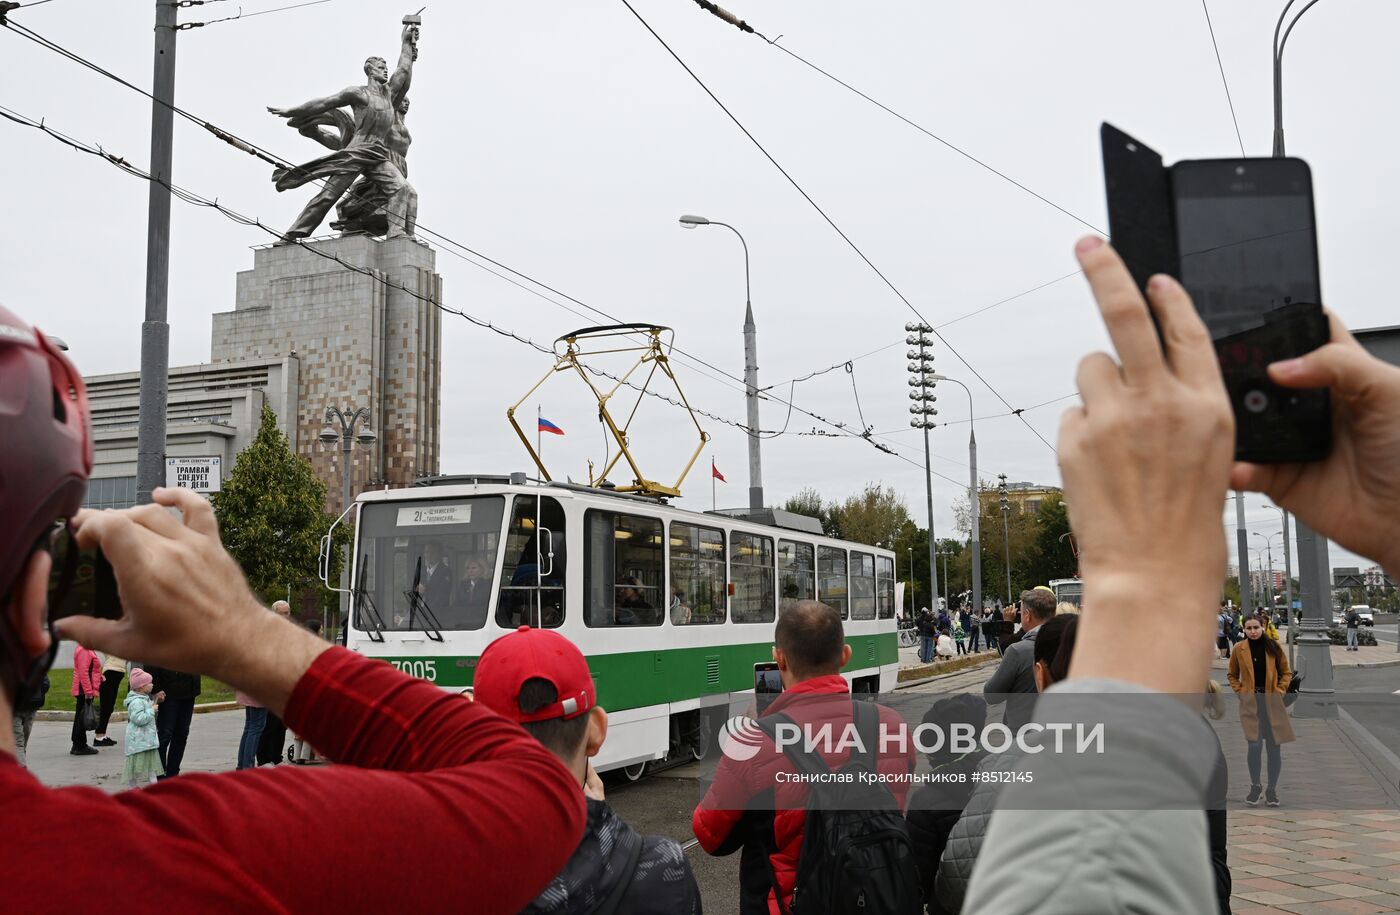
point(47, 452)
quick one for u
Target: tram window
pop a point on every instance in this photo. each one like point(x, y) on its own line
point(832, 588)
point(624, 569)
point(428, 564)
point(532, 574)
point(884, 586)
point(796, 572)
point(862, 586)
point(752, 565)
point(698, 584)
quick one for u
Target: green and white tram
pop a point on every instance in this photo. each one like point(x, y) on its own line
point(1068, 591)
point(671, 607)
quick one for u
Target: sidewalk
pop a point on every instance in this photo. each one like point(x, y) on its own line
point(1382, 655)
point(1286, 860)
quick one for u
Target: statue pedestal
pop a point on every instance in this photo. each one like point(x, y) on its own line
point(360, 343)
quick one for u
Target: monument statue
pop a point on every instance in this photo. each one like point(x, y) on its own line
point(368, 145)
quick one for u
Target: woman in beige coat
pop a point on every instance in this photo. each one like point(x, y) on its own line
point(1259, 674)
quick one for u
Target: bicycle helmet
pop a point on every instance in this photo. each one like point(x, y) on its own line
point(47, 452)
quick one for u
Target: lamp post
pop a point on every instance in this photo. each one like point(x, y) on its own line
point(1314, 560)
point(1269, 547)
point(911, 582)
point(1006, 531)
point(974, 503)
point(347, 420)
point(922, 383)
point(1288, 588)
point(689, 221)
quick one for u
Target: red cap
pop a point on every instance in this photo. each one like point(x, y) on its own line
point(527, 654)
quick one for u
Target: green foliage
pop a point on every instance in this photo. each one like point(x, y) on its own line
point(876, 515)
point(271, 515)
point(808, 502)
point(1040, 547)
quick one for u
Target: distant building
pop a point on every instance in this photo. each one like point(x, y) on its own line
point(1348, 577)
point(1024, 497)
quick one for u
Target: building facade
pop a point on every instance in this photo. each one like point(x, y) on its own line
point(306, 333)
point(1024, 497)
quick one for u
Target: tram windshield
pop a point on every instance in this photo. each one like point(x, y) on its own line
point(436, 556)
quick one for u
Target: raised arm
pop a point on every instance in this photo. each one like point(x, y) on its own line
point(343, 98)
point(403, 74)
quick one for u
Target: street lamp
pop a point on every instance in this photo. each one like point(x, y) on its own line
point(911, 582)
point(347, 436)
point(1288, 587)
point(750, 364)
point(974, 503)
point(1269, 546)
point(1006, 531)
point(921, 384)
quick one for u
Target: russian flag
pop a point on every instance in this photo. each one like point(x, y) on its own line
point(547, 426)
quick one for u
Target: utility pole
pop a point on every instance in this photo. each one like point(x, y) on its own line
point(1242, 541)
point(974, 499)
point(1314, 557)
point(922, 382)
point(155, 332)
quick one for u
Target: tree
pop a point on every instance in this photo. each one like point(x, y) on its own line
point(271, 516)
point(877, 514)
point(808, 502)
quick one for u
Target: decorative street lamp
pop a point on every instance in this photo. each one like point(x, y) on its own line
point(973, 500)
point(1006, 531)
point(347, 435)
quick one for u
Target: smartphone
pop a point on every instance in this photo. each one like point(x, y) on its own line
point(1247, 241)
point(767, 684)
point(1240, 236)
point(93, 591)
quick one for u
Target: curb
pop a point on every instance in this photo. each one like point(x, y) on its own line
point(1372, 665)
point(905, 684)
point(1386, 763)
point(55, 715)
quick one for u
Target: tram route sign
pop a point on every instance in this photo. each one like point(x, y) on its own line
point(460, 513)
point(202, 474)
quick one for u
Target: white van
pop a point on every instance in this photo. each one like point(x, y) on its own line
point(1368, 618)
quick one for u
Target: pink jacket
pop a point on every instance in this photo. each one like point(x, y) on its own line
point(87, 672)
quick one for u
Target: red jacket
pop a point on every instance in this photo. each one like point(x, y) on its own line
point(722, 824)
point(440, 806)
point(87, 672)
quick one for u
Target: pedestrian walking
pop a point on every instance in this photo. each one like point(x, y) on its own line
point(960, 637)
point(1353, 620)
point(142, 766)
point(254, 720)
point(113, 672)
point(87, 683)
point(1259, 675)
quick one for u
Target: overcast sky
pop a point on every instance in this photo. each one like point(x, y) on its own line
point(561, 139)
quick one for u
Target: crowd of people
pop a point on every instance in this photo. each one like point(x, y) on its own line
point(493, 800)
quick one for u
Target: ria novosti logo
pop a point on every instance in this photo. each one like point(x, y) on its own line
point(740, 738)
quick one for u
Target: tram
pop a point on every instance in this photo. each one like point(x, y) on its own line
point(1068, 590)
point(672, 608)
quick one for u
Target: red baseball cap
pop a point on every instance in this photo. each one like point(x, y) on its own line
point(526, 654)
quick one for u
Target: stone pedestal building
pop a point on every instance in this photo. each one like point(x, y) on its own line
point(358, 341)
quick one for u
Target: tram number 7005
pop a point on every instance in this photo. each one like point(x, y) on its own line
point(426, 670)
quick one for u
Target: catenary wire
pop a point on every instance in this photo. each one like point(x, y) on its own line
point(1224, 82)
point(846, 238)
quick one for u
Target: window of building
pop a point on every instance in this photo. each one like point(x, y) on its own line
point(110, 492)
point(884, 586)
point(698, 583)
point(1031, 506)
point(624, 569)
point(752, 567)
point(862, 586)
point(797, 573)
point(532, 575)
point(832, 588)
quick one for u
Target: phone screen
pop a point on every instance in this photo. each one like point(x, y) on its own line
point(767, 684)
point(93, 591)
point(1248, 254)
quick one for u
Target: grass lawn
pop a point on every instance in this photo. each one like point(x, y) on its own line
point(61, 682)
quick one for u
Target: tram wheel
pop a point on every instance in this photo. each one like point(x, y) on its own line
point(634, 771)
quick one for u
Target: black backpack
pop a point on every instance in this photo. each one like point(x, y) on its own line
point(856, 854)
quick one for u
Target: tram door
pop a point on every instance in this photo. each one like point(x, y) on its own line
point(532, 572)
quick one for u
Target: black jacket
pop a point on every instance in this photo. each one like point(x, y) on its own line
point(933, 810)
point(661, 881)
point(1217, 827)
point(173, 683)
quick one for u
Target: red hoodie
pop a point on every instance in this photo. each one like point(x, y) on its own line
point(439, 805)
point(721, 823)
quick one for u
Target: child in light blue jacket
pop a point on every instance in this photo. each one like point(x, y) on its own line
point(142, 740)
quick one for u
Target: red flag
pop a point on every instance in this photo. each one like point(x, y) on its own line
point(714, 472)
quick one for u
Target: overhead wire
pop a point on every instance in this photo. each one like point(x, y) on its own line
point(1223, 81)
point(831, 222)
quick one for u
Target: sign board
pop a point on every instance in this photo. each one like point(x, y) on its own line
point(202, 474)
point(459, 513)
